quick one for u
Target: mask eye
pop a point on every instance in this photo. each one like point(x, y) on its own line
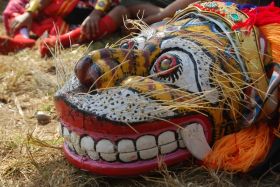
point(128, 45)
point(168, 67)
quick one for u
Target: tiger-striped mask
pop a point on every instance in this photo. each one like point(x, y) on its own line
point(166, 94)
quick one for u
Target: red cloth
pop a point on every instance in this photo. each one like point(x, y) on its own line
point(8, 44)
point(47, 20)
point(60, 8)
point(107, 26)
point(13, 9)
point(51, 19)
point(260, 16)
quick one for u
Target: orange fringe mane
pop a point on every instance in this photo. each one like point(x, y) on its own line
point(241, 151)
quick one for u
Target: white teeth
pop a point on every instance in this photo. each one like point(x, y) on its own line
point(181, 143)
point(146, 142)
point(59, 129)
point(195, 140)
point(148, 154)
point(128, 157)
point(180, 140)
point(125, 146)
point(147, 147)
point(167, 142)
point(93, 155)
point(106, 150)
point(192, 137)
point(75, 140)
point(70, 146)
point(168, 148)
point(66, 135)
point(105, 146)
point(87, 143)
point(127, 151)
point(166, 137)
point(109, 157)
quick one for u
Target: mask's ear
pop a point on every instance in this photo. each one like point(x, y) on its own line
point(241, 151)
point(271, 162)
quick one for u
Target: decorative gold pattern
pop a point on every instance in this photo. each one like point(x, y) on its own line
point(247, 43)
point(102, 5)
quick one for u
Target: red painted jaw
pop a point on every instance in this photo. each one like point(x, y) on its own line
point(123, 169)
point(111, 148)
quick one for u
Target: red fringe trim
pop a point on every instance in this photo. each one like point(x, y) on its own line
point(260, 16)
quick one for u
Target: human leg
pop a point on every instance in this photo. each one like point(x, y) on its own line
point(13, 9)
point(142, 10)
point(107, 25)
point(18, 42)
point(138, 9)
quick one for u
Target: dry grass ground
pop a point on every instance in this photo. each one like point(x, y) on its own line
point(31, 155)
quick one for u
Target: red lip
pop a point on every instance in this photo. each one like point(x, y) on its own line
point(85, 124)
point(124, 169)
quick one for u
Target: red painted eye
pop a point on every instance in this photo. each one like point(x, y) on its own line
point(166, 65)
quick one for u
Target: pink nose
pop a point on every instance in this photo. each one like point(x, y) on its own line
point(106, 66)
point(86, 71)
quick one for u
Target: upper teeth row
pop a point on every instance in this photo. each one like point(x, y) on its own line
point(125, 150)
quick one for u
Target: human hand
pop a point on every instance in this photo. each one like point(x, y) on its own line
point(24, 20)
point(90, 26)
point(152, 18)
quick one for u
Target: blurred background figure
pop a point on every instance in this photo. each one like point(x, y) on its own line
point(26, 20)
point(152, 11)
point(79, 21)
point(75, 21)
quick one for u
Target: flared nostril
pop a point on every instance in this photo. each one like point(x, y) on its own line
point(106, 67)
point(83, 70)
point(83, 64)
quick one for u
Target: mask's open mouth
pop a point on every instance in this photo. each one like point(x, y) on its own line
point(128, 141)
point(106, 148)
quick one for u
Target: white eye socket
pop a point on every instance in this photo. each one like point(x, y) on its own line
point(176, 67)
point(185, 64)
point(140, 41)
point(167, 67)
